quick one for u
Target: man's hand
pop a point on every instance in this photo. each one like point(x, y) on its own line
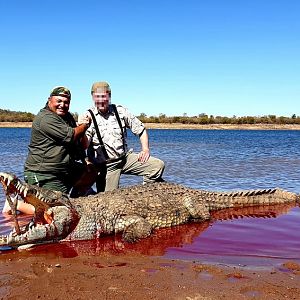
point(84, 119)
point(82, 125)
point(144, 155)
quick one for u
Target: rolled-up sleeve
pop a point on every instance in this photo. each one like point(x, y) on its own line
point(132, 122)
point(57, 129)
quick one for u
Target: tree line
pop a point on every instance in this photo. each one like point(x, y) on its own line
point(205, 119)
point(17, 116)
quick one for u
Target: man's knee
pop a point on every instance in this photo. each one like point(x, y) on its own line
point(155, 171)
point(161, 165)
point(158, 166)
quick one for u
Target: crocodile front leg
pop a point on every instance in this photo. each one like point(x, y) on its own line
point(136, 228)
point(197, 209)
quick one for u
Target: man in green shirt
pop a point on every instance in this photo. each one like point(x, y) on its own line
point(56, 146)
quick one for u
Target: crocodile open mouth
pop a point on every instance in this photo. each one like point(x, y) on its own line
point(13, 189)
point(43, 226)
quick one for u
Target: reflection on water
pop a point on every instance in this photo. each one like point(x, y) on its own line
point(212, 160)
point(204, 241)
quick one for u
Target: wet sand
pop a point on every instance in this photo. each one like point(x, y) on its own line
point(108, 268)
point(27, 275)
point(15, 124)
point(223, 126)
point(188, 126)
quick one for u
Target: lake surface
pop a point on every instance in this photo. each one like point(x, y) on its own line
point(219, 160)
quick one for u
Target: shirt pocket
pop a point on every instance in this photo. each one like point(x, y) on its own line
point(116, 130)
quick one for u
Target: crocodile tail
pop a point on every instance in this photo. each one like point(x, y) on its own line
point(251, 198)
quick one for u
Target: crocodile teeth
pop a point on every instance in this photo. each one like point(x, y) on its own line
point(22, 189)
point(31, 224)
point(25, 247)
point(15, 197)
point(25, 192)
point(18, 185)
point(3, 239)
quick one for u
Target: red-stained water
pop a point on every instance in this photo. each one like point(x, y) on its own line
point(256, 237)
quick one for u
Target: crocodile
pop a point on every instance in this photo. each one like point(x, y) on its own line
point(133, 211)
point(161, 240)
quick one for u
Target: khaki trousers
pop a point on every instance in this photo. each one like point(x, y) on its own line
point(109, 175)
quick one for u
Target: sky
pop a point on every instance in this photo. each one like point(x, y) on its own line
point(218, 57)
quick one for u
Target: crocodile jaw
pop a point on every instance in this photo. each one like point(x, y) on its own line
point(63, 223)
point(50, 224)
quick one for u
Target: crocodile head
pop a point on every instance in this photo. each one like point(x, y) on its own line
point(54, 218)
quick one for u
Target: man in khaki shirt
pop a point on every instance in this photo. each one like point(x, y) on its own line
point(109, 151)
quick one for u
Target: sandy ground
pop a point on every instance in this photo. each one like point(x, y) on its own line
point(186, 126)
point(26, 275)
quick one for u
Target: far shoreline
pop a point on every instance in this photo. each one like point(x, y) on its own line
point(187, 126)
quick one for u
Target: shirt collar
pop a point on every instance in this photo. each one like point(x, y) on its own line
point(97, 112)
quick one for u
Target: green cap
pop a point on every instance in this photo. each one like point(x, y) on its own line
point(100, 86)
point(61, 91)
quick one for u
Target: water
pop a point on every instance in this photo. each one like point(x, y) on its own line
point(213, 160)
